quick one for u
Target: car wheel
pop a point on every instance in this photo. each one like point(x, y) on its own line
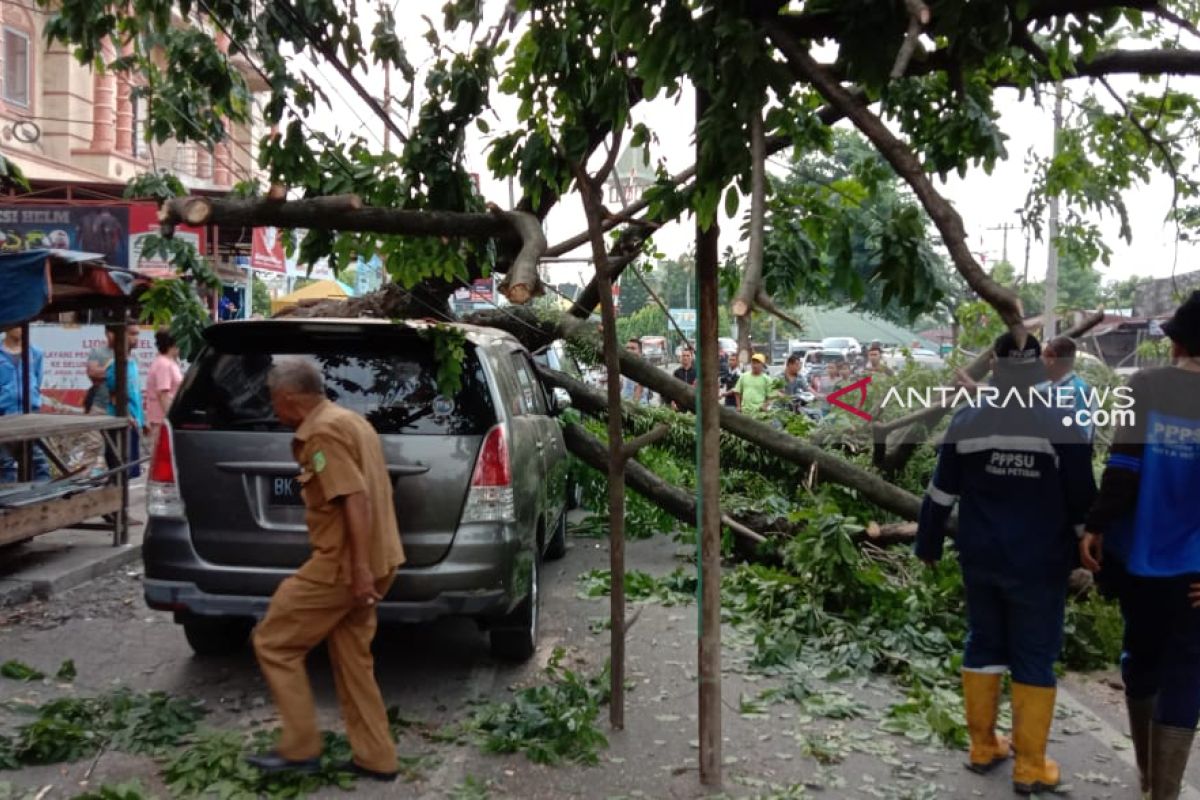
point(515, 637)
point(216, 636)
point(574, 495)
point(558, 542)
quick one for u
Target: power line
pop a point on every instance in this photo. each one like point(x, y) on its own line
point(341, 161)
point(271, 9)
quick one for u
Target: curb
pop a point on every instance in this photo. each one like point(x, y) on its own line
point(18, 590)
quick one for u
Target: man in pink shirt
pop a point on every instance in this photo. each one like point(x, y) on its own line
point(162, 382)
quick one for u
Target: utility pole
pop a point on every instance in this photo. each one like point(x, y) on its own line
point(1049, 317)
point(1005, 227)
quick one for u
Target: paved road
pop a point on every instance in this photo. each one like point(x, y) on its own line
point(435, 673)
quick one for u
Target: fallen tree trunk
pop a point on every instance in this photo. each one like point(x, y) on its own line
point(828, 467)
point(347, 212)
point(681, 503)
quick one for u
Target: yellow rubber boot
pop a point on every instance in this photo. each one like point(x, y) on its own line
point(981, 695)
point(1033, 711)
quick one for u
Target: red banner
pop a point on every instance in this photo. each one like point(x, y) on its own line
point(143, 221)
point(266, 254)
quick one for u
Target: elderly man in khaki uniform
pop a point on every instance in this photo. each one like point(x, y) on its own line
point(355, 552)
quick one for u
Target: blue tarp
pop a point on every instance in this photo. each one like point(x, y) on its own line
point(26, 288)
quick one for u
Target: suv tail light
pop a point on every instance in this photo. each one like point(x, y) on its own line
point(490, 498)
point(162, 489)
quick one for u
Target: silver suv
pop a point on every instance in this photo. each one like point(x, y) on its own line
point(480, 478)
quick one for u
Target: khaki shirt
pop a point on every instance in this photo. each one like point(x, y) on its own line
point(340, 454)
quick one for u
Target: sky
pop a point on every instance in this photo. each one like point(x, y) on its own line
point(984, 201)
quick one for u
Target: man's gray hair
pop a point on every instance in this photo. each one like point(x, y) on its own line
point(297, 375)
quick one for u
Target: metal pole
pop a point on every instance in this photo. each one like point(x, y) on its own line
point(121, 407)
point(1050, 320)
point(708, 425)
point(26, 471)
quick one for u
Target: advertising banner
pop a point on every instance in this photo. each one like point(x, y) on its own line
point(143, 221)
point(266, 253)
point(65, 350)
point(91, 229)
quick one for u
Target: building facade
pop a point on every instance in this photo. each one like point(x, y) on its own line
point(65, 124)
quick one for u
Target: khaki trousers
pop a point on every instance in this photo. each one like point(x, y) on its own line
point(302, 614)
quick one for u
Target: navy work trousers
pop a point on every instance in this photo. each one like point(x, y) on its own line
point(1015, 623)
point(1161, 649)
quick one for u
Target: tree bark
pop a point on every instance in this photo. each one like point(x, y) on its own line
point(751, 287)
point(346, 212)
point(829, 467)
point(708, 482)
point(616, 452)
point(681, 504)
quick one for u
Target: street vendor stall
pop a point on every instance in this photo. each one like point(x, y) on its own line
point(39, 284)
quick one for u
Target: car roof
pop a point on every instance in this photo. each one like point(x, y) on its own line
point(228, 332)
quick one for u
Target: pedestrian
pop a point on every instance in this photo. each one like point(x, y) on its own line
point(686, 371)
point(730, 373)
point(1023, 483)
point(133, 400)
point(12, 399)
point(753, 387)
point(1068, 392)
point(875, 365)
point(794, 382)
point(162, 382)
point(631, 390)
point(333, 596)
point(1143, 540)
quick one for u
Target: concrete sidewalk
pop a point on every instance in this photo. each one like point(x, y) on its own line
point(54, 562)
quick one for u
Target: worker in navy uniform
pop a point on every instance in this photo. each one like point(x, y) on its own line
point(1023, 482)
point(1143, 539)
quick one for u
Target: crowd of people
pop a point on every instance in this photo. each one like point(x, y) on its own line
point(147, 402)
point(755, 390)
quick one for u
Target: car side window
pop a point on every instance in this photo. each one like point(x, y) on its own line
point(532, 399)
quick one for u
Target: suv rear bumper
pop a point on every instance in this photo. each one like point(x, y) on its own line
point(187, 598)
point(479, 576)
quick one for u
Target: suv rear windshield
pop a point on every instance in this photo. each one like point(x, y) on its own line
point(392, 382)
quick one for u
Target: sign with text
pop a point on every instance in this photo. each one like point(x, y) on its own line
point(266, 253)
point(65, 350)
point(143, 222)
point(685, 318)
point(91, 229)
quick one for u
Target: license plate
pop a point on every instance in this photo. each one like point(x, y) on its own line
point(285, 492)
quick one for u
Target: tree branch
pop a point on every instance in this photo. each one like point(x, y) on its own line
point(743, 303)
point(522, 282)
point(918, 18)
point(347, 213)
point(764, 301)
point(829, 467)
point(330, 54)
point(908, 167)
point(653, 436)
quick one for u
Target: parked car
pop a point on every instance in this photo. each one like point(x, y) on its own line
point(895, 358)
point(654, 350)
point(801, 347)
point(726, 345)
point(846, 345)
point(480, 478)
